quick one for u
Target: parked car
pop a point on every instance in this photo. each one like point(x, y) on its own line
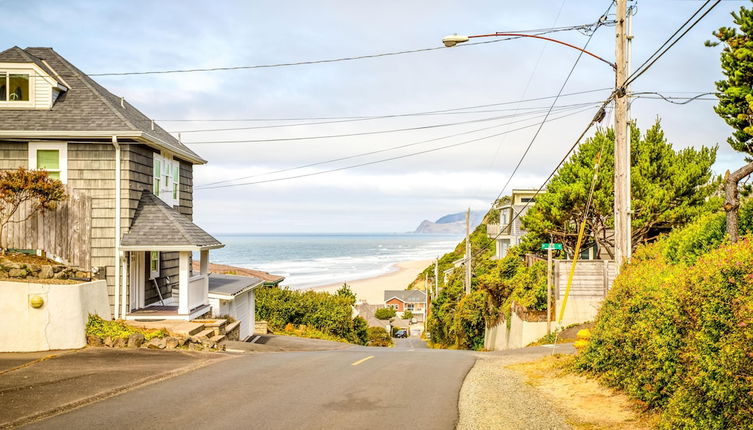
point(401, 333)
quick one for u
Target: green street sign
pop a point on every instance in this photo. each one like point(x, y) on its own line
point(554, 246)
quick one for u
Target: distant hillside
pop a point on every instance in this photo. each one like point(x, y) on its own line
point(450, 224)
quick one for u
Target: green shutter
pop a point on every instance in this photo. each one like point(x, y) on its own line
point(48, 159)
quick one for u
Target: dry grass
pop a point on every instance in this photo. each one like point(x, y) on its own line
point(43, 281)
point(585, 402)
point(27, 259)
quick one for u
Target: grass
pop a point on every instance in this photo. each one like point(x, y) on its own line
point(307, 332)
point(118, 330)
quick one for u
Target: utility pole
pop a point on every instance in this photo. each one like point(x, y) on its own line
point(549, 288)
point(621, 146)
point(436, 277)
point(468, 251)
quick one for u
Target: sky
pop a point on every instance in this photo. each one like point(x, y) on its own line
point(392, 196)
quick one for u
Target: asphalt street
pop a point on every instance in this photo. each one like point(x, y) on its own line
point(353, 388)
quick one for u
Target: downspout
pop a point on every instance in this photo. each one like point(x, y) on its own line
point(118, 304)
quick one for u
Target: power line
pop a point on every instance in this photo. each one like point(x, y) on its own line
point(674, 100)
point(391, 158)
point(361, 133)
point(596, 119)
point(653, 58)
point(365, 153)
point(334, 60)
point(554, 102)
point(441, 111)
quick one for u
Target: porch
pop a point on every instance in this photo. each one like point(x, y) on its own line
point(158, 228)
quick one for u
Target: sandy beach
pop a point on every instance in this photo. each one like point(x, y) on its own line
point(372, 289)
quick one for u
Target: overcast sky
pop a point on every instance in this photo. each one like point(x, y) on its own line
point(394, 196)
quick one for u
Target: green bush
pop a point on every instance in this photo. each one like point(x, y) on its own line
point(378, 336)
point(385, 313)
point(97, 326)
point(407, 315)
point(676, 330)
point(328, 313)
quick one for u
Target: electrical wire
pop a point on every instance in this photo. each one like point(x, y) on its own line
point(367, 153)
point(554, 102)
point(341, 135)
point(391, 158)
point(341, 59)
point(596, 119)
point(653, 58)
point(264, 127)
point(673, 100)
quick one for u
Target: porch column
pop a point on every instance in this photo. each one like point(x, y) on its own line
point(204, 270)
point(183, 273)
point(204, 262)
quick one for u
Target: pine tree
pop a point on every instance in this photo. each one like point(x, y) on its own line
point(735, 105)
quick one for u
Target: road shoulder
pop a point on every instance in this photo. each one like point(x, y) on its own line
point(44, 388)
point(496, 397)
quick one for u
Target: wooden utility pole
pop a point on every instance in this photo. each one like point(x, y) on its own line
point(549, 288)
point(621, 146)
point(468, 251)
point(436, 277)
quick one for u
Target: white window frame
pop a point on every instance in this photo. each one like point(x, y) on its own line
point(61, 147)
point(154, 273)
point(169, 178)
point(32, 87)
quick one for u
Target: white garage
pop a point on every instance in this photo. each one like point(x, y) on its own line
point(233, 296)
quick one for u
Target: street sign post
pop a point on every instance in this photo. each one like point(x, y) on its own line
point(552, 246)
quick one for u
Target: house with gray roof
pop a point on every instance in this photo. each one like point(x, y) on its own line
point(139, 230)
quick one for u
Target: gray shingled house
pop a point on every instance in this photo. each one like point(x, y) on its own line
point(137, 176)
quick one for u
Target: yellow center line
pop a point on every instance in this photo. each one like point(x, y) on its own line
point(362, 360)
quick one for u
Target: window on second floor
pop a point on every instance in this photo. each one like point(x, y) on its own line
point(166, 179)
point(14, 87)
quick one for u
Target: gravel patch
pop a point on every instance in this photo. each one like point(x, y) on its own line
point(494, 397)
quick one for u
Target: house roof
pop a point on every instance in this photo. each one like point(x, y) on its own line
point(229, 286)
point(158, 227)
point(224, 269)
point(86, 109)
point(405, 296)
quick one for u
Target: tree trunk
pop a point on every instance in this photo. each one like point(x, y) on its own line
point(732, 200)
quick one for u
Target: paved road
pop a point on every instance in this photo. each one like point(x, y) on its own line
point(359, 387)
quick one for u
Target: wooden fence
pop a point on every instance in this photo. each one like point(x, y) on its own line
point(64, 232)
point(592, 278)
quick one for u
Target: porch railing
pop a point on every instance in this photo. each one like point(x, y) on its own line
point(198, 291)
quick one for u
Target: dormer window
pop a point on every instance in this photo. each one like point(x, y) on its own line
point(14, 87)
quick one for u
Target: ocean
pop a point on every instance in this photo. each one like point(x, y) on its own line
point(309, 260)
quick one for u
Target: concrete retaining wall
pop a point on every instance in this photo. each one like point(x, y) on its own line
point(521, 333)
point(61, 321)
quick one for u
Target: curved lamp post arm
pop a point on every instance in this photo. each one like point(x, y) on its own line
point(453, 40)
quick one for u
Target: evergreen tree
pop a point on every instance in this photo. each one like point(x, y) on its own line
point(735, 105)
point(669, 188)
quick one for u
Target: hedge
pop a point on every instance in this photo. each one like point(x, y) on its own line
point(328, 313)
point(676, 330)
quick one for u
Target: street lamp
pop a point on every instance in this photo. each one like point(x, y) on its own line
point(452, 40)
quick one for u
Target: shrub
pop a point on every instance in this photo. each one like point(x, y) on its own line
point(676, 328)
point(717, 302)
point(385, 313)
point(97, 326)
point(328, 313)
point(407, 315)
point(378, 336)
